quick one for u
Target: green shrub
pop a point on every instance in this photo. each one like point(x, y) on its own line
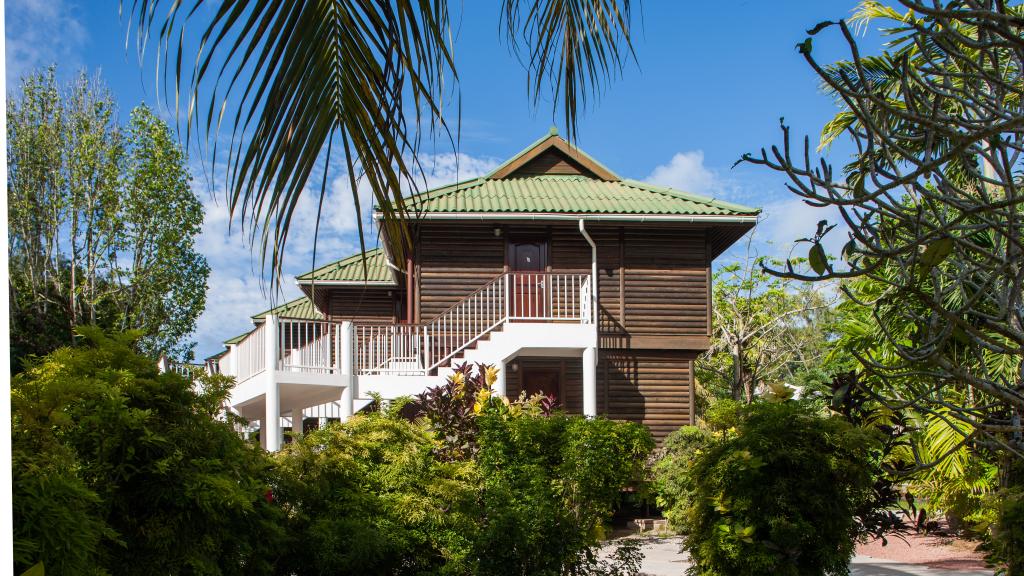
point(771, 488)
point(1005, 545)
point(480, 485)
point(369, 497)
point(119, 469)
point(549, 483)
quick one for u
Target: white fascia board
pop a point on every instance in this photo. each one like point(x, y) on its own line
point(484, 216)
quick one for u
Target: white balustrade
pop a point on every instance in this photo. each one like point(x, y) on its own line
point(416, 349)
point(306, 346)
point(513, 297)
point(250, 355)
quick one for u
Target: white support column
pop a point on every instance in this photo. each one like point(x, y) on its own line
point(272, 420)
point(499, 386)
point(296, 423)
point(590, 381)
point(346, 368)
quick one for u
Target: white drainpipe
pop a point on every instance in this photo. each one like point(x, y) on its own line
point(593, 268)
point(590, 352)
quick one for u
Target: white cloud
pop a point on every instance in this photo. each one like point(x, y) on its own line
point(686, 172)
point(784, 218)
point(41, 33)
point(785, 221)
point(236, 288)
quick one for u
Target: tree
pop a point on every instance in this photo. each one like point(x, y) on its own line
point(291, 77)
point(121, 469)
point(102, 221)
point(766, 330)
point(933, 205)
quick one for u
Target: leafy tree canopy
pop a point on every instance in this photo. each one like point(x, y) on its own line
point(102, 221)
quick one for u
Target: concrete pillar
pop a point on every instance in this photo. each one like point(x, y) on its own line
point(499, 385)
point(590, 381)
point(346, 367)
point(272, 421)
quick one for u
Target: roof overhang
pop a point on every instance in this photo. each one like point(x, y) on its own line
point(344, 283)
point(569, 217)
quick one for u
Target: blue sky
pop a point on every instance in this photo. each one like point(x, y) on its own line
point(711, 81)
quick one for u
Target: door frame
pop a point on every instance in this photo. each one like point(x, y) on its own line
point(558, 371)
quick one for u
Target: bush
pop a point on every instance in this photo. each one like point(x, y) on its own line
point(1004, 547)
point(771, 488)
point(549, 485)
point(368, 497)
point(480, 485)
point(119, 469)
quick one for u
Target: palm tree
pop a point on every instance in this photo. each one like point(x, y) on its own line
point(289, 77)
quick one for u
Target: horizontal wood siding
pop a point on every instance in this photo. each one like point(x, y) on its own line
point(570, 254)
point(550, 162)
point(665, 282)
point(455, 259)
point(651, 387)
point(364, 305)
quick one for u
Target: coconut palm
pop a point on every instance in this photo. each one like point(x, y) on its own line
point(288, 78)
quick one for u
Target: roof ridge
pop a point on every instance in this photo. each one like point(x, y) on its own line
point(371, 253)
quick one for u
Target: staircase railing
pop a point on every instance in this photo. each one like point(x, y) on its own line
point(511, 297)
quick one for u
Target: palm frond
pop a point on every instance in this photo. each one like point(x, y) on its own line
point(575, 46)
point(290, 75)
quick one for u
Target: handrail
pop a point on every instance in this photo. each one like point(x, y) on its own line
point(313, 346)
point(509, 297)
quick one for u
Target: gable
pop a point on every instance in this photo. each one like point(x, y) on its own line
point(552, 155)
point(552, 161)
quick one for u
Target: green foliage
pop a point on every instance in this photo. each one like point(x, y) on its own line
point(767, 331)
point(771, 488)
point(549, 484)
point(1006, 546)
point(119, 469)
point(102, 221)
point(480, 486)
point(368, 497)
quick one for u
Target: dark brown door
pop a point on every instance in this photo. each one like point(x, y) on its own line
point(527, 259)
point(546, 381)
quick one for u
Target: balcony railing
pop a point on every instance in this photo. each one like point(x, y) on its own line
point(415, 349)
point(511, 297)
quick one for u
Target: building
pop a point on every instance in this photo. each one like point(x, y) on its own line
point(573, 281)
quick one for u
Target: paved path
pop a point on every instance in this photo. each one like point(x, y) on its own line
point(662, 557)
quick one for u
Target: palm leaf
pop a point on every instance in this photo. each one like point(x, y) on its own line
point(291, 76)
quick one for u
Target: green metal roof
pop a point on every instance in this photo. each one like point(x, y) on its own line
point(569, 194)
point(238, 338)
point(352, 269)
point(512, 189)
point(299, 309)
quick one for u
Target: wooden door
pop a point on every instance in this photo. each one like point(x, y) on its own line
point(527, 260)
point(546, 381)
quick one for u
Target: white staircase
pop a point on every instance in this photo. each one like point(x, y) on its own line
point(514, 314)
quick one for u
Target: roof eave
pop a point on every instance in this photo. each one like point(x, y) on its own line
point(569, 216)
point(346, 283)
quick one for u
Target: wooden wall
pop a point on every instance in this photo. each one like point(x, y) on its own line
point(363, 304)
point(654, 294)
point(651, 387)
point(653, 280)
point(452, 260)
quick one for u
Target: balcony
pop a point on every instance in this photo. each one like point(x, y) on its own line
point(302, 363)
